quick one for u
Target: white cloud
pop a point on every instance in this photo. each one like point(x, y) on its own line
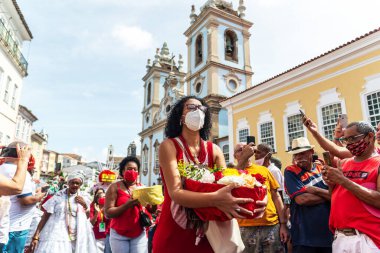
point(133, 37)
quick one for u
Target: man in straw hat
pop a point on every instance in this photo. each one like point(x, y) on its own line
point(310, 201)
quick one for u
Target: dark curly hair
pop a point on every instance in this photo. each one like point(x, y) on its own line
point(127, 160)
point(173, 127)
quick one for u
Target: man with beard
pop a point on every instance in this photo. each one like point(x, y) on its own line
point(355, 186)
point(310, 201)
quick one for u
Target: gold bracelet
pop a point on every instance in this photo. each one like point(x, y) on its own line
point(34, 238)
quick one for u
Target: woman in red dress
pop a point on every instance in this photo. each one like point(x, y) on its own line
point(188, 127)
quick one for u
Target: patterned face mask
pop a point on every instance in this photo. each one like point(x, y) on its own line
point(357, 148)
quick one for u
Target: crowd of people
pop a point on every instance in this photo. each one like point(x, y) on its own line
point(317, 205)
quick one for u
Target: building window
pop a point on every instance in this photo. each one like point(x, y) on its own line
point(243, 133)
point(18, 127)
point(226, 153)
point(266, 133)
point(149, 93)
point(330, 114)
point(198, 49)
point(6, 93)
point(295, 127)
point(230, 45)
point(198, 88)
point(232, 85)
point(145, 161)
point(156, 161)
point(373, 104)
point(13, 102)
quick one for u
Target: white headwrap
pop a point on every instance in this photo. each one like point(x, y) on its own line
point(75, 175)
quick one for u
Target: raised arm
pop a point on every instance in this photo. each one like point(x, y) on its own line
point(15, 185)
point(326, 144)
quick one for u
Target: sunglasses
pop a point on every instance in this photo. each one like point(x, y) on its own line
point(193, 107)
point(351, 139)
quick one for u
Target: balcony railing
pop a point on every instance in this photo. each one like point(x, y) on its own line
point(13, 48)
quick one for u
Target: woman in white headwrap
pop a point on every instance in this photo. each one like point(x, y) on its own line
point(64, 226)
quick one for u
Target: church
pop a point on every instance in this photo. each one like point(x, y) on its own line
point(218, 67)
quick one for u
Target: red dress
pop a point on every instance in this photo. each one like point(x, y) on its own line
point(169, 236)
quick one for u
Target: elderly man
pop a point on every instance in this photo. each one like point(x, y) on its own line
point(263, 234)
point(335, 150)
point(310, 201)
point(355, 200)
point(22, 206)
point(263, 157)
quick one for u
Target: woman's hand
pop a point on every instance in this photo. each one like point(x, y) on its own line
point(23, 153)
point(262, 205)
point(227, 203)
point(33, 245)
point(96, 208)
point(80, 200)
point(131, 203)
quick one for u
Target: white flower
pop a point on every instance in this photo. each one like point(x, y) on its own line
point(207, 177)
point(227, 180)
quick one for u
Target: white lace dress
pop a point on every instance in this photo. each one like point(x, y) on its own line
point(54, 237)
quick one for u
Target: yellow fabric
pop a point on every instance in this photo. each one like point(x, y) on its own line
point(149, 195)
point(270, 216)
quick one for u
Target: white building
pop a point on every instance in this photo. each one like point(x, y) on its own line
point(218, 66)
point(24, 124)
point(13, 66)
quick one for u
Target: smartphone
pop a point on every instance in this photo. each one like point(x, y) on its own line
point(251, 139)
point(327, 158)
point(302, 113)
point(315, 158)
point(343, 120)
point(8, 152)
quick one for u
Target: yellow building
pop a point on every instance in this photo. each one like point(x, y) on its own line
point(38, 143)
point(343, 80)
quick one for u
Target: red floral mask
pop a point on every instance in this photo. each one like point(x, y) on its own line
point(357, 148)
point(130, 175)
point(102, 201)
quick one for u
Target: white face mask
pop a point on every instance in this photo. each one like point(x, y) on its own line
point(261, 161)
point(195, 120)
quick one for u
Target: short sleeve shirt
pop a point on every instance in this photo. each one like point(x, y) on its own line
point(309, 222)
point(20, 216)
point(270, 216)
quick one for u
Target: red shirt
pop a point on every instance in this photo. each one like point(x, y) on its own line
point(127, 224)
point(101, 218)
point(347, 211)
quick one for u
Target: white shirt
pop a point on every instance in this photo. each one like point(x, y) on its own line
point(5, 204)
point(20, 216)
point(277, 174)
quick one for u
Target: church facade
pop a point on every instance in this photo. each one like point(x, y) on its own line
point(218, 67)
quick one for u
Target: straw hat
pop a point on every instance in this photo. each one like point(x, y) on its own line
point(300, 145)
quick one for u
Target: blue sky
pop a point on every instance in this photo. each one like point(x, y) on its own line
point(87, 57)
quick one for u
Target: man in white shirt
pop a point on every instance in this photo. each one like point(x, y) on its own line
point(22, 206)
point(262, 157)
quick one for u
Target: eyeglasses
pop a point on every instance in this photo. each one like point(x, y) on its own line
point(351, 139)
point(194, 107)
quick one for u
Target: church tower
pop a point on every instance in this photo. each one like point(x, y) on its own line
point(164, 84)
point(218, 57)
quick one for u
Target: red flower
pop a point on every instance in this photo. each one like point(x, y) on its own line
point(218, 175)
point(243, 171)
point(259, 178)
